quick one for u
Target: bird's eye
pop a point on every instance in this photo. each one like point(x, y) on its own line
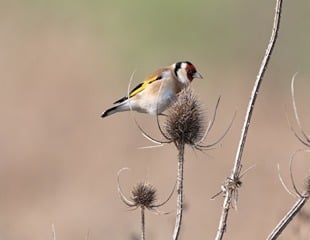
point(191, 72)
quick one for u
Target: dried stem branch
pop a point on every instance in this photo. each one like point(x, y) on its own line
point(256, 87)
point(53, 232)
point(302, 199)
point(178, 220)
point(288, 217)
point(304, 138)
point(142, 223)
point(237, 165)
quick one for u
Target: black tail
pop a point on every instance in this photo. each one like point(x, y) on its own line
point(109, 112)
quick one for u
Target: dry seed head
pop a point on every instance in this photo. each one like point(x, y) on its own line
point(185, 123)
point(144, 195)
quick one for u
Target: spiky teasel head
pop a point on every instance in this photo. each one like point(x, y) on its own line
point(185, 122)
point(144, 195)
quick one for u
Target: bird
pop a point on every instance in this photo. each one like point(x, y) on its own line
point(158, 91)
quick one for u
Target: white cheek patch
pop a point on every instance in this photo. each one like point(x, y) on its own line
point(182, 77)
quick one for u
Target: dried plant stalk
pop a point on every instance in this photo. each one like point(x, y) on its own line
point(229, 192)
point(184, 125)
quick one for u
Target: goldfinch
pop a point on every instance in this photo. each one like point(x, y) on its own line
point(155, 94)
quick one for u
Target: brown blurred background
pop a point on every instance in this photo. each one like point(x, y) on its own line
point(63, 62)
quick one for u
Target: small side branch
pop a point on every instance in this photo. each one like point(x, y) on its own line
point(237, 165)
point(303, 137)
point(288, 217)
point(302, 199)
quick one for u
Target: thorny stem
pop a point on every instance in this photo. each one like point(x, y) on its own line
point(236, 170)
point(178, 220)
point(288, 217)
point(142, 223)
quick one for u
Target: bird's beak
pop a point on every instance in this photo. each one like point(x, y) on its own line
point(197, 75)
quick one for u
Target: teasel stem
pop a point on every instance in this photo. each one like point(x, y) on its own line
point(297, 207)
point(180, 177)
point(234, 177)
point(142, 223)
point(288, 217)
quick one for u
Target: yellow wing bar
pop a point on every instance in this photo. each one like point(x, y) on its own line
point(140, 87)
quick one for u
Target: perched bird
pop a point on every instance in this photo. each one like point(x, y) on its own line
point(158, 91)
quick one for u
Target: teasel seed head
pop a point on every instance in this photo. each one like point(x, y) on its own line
point(185, 123)
point(144, 195)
